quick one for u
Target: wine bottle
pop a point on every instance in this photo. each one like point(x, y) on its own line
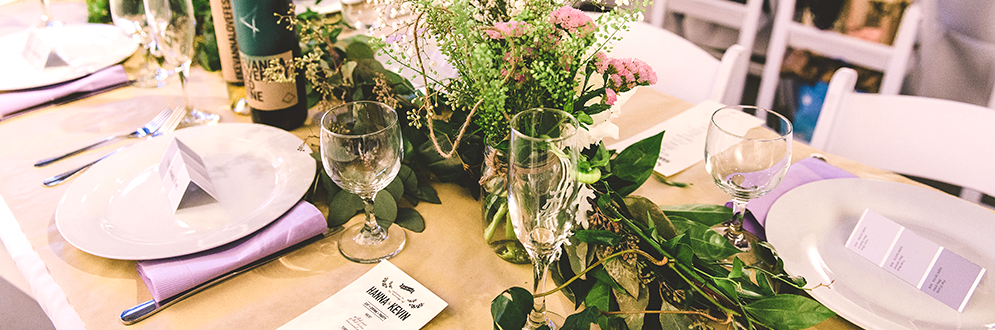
point(265, 40)
point(231, 66)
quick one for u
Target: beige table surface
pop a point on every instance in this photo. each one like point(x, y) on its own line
point(449, 257)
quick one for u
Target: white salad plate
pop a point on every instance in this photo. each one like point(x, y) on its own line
point(810, 224)
point(88, 48)
point(118, 208)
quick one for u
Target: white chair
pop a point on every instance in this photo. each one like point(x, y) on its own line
point(937, 139)
point(683, 69)
point(891, 60)
point(742, 17)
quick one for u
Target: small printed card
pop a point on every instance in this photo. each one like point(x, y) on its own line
point(383, 298)
point(184, 177)
point(684, 143)
point(40, 53)
point(938, 272)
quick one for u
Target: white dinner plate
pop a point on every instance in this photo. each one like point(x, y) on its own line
point(118, 209)
point(88, 48)
point(809, 226)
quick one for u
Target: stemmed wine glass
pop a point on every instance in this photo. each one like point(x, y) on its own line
point(129, 15)
point(172, 24)
point(746, 164)
point(542, 190)
point(361, 151)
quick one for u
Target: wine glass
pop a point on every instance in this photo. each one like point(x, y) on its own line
point(360, 14)
point(172, 24)
point(47, 20)
point(129, 16)
point(746, 162)
point(542, 190)
point(361, 151)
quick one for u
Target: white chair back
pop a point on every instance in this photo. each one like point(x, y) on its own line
point(891, 60)
point(937, 139)
point(683, 69)
point(738, 16)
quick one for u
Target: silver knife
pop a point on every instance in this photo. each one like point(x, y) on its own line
point(144, 310)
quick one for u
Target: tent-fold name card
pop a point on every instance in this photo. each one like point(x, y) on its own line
point(185, 179)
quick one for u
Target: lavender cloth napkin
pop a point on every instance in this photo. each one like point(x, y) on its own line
point(11, 102)
point(804, 171)
point(167, 277)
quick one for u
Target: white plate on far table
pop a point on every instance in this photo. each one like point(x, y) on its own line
point(809, 226)
point(88, 48)
point(117, 209)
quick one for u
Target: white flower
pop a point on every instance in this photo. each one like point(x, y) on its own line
point(585, 207)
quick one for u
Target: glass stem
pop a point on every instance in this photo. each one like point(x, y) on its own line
point(183, 71)
point(537, 317)
point(46, 13)
point(371, 229)
point(734, 227)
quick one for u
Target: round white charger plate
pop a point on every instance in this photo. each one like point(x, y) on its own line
point(88, 47)
point(118, 208)
point(810, 224)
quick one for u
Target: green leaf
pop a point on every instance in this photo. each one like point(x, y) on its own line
point(788, 311)
point(408, 177)
point(510, 310)
point(598, 296)
point(628, 302)
point(707, 244)
point(395, 189)
point(635, 164)
point(582, 320)
point(428, 194)
point(385, 209)
point(647, 212)
point(342, 207)
point(359, 50)
point(673, 320)
point(410, 219)
point(707, 214)
point(602, 237)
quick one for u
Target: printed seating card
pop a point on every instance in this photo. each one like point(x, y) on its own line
point(184, 177)
point(383, 298)
point(929, 267)
point(684, 141)
point(42, 54)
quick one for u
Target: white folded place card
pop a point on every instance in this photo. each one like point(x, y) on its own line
point(929, 267)
point(41, 53)
point(185, 179)
point(684, 141)
point(383, 298)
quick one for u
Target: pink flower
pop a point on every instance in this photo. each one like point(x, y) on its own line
point(573, 21)
point(624, 74)
point(510, 29)
point(610, 96)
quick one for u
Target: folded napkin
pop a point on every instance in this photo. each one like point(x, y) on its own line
point(11, 102)
point(804, 171)
point(167, 277)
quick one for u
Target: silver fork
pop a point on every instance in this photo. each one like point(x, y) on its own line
point(175, 117)
point(140, 132)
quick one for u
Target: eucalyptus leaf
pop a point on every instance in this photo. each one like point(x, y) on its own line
point(359, 50)
point(395, 189)
point(429, 194)
point(385, 209)
point(408, 178)
point(410, 219)
point(787, 311)
point(342, 207)
point(706, 214)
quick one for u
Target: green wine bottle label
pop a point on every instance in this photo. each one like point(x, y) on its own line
point(261, 92)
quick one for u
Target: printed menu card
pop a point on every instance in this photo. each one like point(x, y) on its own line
point(929, 267)
point(383, 298)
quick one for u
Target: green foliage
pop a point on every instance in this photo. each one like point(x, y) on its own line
point(632, 166)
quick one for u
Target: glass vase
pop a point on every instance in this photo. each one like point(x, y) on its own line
point(498, 232)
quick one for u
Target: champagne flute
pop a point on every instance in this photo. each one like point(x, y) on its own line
point(172, 24)
point(746, 164)
point(542, 190)
point(129, 15)
point(361, 151)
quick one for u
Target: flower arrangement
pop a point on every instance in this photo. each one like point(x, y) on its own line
point(632, 264)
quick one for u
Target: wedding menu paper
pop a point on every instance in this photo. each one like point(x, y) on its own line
point(932, 269)
point(383, 298)
point(184, 176)
point(684, 141)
